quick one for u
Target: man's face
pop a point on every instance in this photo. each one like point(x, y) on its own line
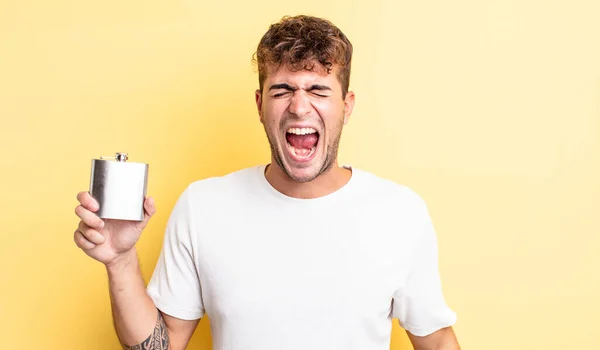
point(303, 114)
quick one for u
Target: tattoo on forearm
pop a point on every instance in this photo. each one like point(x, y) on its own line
point(158, 340)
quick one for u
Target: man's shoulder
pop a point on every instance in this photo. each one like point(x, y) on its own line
point(387, 188)
point(227, 182)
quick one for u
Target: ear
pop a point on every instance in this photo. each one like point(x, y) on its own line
point(348, 106)
point(258, 98)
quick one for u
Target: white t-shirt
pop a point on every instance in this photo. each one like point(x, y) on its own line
point(278, 273)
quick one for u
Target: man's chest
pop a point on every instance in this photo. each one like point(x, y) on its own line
point(334, 267)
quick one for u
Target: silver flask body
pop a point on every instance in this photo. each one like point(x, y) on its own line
point(119, 187)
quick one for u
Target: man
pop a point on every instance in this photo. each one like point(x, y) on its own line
point(298, 254)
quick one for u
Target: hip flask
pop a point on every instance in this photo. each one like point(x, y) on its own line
point(119, 187)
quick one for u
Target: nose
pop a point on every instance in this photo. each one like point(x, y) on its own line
point(300, 104)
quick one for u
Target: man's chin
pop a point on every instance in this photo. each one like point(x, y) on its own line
point(302, 173)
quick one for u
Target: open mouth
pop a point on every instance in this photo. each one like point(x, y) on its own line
point(302, 143)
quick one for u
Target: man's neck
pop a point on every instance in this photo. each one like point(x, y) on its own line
point(328, 182)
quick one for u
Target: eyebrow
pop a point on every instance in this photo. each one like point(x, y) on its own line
point(319, 87)
point(281, 86)
point(289, 88)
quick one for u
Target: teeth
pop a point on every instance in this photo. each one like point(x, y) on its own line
point(301, 131)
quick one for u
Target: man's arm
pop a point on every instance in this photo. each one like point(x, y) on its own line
point(138, 323)
point(443, 339)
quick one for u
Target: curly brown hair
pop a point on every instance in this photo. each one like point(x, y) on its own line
point(299, 42)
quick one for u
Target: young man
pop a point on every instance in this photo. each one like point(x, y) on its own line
point(298, 254)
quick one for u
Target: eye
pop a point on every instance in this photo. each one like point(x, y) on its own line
point(320, 95)
point(280, 94)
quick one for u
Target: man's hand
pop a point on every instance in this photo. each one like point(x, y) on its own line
point(107, 240)
point(443, 339)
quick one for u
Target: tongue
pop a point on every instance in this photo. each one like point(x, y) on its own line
point(302, 141)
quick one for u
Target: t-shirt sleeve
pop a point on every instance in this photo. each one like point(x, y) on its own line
point(175, 284)
point(419, 304)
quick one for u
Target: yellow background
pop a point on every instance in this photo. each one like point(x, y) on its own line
point(489, 109)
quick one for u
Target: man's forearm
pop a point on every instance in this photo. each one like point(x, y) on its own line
point(443, 339)
point(447, 346)
point(158, 340)
point(450, 345)
point(137, 322)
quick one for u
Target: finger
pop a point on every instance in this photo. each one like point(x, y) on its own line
point(150, 207)
point(87, 201)
point(89, 218)
point(82, 242)
point(90, 234)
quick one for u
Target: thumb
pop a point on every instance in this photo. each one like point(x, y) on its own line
point(149, 211)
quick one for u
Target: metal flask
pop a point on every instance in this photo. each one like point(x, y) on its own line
point(119, 187)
